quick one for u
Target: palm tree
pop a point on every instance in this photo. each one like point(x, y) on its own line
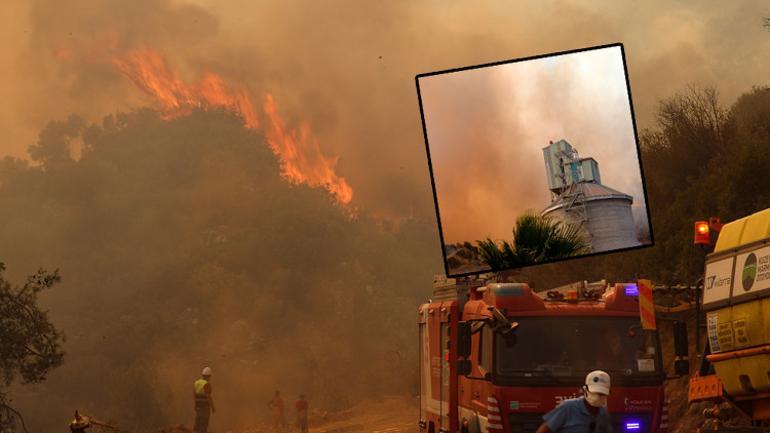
point(536, 239)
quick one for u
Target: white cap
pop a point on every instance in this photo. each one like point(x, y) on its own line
point(599, 382)
point(207, 371)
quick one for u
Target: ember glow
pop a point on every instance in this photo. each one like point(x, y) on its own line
point(301, 158)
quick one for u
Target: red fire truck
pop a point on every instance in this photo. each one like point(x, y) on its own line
point(500, 355)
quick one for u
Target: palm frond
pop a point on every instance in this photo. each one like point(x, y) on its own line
point(536, 239)
point(492, 255)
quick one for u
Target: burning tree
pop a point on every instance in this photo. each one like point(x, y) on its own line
point(30, 345)
point(302, 161)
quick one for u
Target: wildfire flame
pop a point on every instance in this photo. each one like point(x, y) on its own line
point(301, 158)
point(148, 70)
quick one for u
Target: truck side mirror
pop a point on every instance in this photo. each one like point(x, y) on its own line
point(681, 349)
point(463, 339)
point(463, 367)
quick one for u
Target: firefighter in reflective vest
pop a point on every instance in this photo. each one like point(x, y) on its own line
point(204, 404)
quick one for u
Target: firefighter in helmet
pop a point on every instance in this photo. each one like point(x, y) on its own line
point(204, 404)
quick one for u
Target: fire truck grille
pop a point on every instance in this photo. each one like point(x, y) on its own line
point(524, 422)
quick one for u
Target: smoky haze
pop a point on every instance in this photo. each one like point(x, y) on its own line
point(348, 68)
point(181, 246)
point(486, 129)
point(178, 242)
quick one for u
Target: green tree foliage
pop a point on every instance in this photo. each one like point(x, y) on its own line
point(536, 239)
point(30, 346)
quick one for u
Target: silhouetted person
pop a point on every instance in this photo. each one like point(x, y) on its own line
point(302, 410)
point(276, 405)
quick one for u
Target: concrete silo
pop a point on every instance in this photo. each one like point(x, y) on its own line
point(578, 197)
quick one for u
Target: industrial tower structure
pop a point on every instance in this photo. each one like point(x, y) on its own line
point(578, 197)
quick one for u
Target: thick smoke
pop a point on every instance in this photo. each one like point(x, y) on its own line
point(348, 68)
point(179, 243)
point(181, 246)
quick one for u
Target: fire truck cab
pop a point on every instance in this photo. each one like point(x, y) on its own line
point(495, 357)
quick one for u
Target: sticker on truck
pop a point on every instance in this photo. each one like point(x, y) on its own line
point(712, 321)
point(752, 272)
point(718, 281)
point(645, 365)
point(741, 335)
point(725, 335)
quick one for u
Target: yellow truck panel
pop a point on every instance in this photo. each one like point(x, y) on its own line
point(743, 372)
point(730, 235)
point(739, 326)
point(752, 228)
point(736, 298)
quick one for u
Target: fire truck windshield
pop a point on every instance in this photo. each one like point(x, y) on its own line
point(565, 349)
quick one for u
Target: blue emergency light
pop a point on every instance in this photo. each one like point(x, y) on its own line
point(632, 290)
point(632, 425)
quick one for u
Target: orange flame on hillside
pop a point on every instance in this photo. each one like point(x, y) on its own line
point(301, 158)
point(149, 71)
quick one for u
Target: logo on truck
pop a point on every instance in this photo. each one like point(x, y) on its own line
point(749, 271)
point(631, 404)
point(561, 398)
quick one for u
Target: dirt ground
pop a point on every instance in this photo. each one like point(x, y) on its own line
point(396, 414)
point(387, 415)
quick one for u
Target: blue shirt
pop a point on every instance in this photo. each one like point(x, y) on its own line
point(572, 416)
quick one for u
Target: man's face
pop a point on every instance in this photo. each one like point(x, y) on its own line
point(596, 399)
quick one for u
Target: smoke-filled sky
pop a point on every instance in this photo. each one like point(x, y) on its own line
point(347, 67)
point(130, 228)
point(487, 127)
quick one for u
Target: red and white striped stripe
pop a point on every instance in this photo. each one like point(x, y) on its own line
point(664, 417)
point(493, 409)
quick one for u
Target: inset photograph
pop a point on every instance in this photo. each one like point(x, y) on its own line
point(534, 160)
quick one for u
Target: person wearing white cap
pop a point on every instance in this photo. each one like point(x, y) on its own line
point(587, 414)
point(204, 404)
